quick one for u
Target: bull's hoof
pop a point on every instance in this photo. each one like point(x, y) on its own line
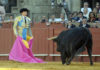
point(63, 63)
point(91, 64)
point(68, 63)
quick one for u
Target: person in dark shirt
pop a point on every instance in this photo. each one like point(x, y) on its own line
point(95, 11)
point(74, 17)
point(70, 25)
point(84, 23)
point(98, 7)
point(80, 17)
point(98, 17)
point(44, 19)
point(92, 17)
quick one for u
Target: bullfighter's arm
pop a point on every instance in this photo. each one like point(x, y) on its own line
point(15, 26)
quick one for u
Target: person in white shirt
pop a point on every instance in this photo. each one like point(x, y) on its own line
point(86, 13)
point(86, 6)
point(52, 19)
point(62, 19)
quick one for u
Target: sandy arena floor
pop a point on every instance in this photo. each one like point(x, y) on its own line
point(11, 65)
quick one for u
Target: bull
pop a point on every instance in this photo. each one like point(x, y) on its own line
point(72, 42)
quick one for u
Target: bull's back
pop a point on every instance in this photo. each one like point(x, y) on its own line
point(74, 34)
point(74, 38)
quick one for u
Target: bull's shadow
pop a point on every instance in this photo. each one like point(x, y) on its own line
point(72, 42)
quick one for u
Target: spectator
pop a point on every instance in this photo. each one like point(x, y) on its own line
point(98, 7)
point(52, 19)
point(44, 19)
point(62, 19)
point(2, 13)
point(98, 17)
point(91, 17)
point(11, 18)
point(75, 17)
point(84, 23)
point(86, 13)
point(70, 25)
point(86, 7)
point(95, 11)
point(80, 17)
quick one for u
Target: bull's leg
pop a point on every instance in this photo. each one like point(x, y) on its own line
point(71, 58)
point(63, 57)
point(90, 56)
point(89, 50)
point(67, 59)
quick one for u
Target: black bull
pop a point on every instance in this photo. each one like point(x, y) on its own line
point(72, 42)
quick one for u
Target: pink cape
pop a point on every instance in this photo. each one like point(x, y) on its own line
point(21, 54)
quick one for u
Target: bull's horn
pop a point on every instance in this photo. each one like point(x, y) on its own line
point(52, 38)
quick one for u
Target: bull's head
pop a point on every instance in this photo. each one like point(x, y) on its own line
point(55, 39)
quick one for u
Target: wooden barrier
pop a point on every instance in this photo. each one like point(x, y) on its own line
point(7, 24)
point(41, 46)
